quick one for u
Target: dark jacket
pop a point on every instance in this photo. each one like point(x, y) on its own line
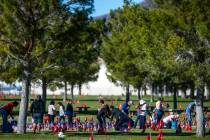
point(69, 110)
point(37, 106)
point(116, 113)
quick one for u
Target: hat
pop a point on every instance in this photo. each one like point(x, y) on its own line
point(141, 102)
point(130, 102)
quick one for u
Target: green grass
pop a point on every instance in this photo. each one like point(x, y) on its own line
point(168, 135)
point(92, 101)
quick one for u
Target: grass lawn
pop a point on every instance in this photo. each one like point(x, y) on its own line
point(92, 101)
point(168, 135)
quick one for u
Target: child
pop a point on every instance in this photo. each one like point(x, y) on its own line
point(51, 112)
point(141, 116)
point(61, 112)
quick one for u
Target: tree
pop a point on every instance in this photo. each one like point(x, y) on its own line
point(147, 46)
point(21, 27)
point(194, 29)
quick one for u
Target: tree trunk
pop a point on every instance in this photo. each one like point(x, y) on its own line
point(65, 92)
point(72, 91)
point(139, 92)
point(175, 97)
point(192, 91)
point(145, 90)
point(207, 91)
point(164, 90)
point(44, 91)
point(128, 92)
point(152, 93)
point(183, 93)
point(22, 119)
point(160, 90)
point(80, 89)
point(200, 132)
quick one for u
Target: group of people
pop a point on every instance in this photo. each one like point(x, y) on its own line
point(37, 110)
point(156, 117)
point(121, 117)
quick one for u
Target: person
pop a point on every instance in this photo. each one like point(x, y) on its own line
point(5, 111)
point(102, 105)
point(188, 111)
point(159, 109)
point(37, 111)
point(126, 106)
point(115, 114)
point(168, 120)
point(70, 113)
point(141, 115)
point(102, 113)
point(51, 112)
point(61, 112)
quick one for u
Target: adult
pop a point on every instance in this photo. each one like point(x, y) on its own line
point(5, 111)
point(51, 111)
point(70, 113)
point(141, 115)
point(119, 117)
point(189, 111)
point(37, 111)
point(102, 113)
point(126, 107)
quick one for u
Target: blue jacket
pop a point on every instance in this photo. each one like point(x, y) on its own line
point(189, 107)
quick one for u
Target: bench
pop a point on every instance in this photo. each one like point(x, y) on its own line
point(82, 108)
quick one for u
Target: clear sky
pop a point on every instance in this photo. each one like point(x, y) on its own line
point(104, 6)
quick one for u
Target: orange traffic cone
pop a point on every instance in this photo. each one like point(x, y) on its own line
point(91, 135)
point(148, 136)
point(160, 136)
point(189, 128)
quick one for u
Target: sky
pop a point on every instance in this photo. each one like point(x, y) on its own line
point(104, 6)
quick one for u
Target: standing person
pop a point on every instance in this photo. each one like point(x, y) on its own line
point(51, 112)
point(141, 115)
point(5, 111)
point(61, 112)
point(37, 111)
point(102, 113)
point(126, 107)
point(189, 111)
point(159, 109)
point(102, 105)
point(70, 113)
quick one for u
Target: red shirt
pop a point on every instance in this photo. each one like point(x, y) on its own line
point(8, 107)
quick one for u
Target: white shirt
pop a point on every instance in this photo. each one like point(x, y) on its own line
point(168, 118)
point(61, 111)
point(143, 109)
point(51, 109)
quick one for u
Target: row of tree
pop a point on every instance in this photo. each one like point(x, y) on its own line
point(163, 43)
point(52, 41)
